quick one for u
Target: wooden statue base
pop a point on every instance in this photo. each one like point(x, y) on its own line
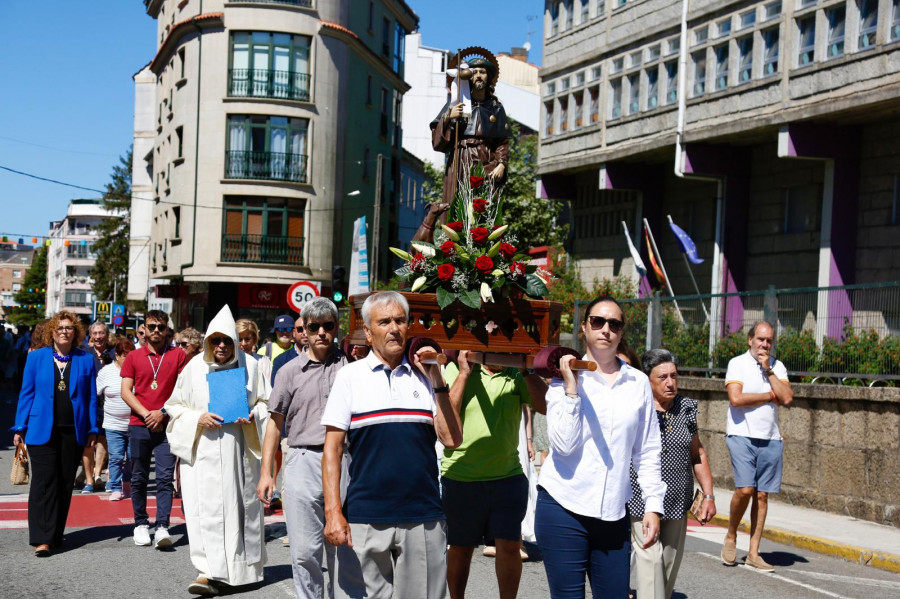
point(519, 325)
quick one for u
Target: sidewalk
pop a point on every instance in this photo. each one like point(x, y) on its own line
point(835, 535)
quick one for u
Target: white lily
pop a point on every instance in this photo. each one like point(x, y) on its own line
point(486, 295)
point(498, 232)
point(425, 250)
point(401, 254)
point(418, 284)
point(450, 233)
point(497, 272)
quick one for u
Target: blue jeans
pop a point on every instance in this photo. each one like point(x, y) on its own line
point(574, 546)
point(119, 459)
point(143, 444)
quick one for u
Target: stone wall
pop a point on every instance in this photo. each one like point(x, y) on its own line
point(841, 446)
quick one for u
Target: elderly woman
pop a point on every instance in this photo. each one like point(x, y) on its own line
point(220, 463)
point(683, 458)
point(57, 418)
point(190, 341)
point(599, 423)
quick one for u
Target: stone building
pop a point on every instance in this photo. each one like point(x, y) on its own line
point(15, 260)
point(259, 124)
point(788, 168)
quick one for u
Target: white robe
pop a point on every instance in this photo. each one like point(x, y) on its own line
point(219, 472)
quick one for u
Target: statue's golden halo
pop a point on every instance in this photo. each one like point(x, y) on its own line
point(474, 52)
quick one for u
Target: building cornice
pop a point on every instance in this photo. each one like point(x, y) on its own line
point(351, 39)
point(180, 30)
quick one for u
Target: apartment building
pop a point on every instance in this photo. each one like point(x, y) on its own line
point(15, 260)
point(769, 131)
point(259, 124)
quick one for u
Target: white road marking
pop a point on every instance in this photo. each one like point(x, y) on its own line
point(781, 578)
point(888, 584)
point(13, 498)
point(10, 524)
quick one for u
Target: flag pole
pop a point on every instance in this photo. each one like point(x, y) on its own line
point(691, 272)
point(663, 268)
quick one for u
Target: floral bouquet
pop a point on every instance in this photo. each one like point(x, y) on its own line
point(473, 258)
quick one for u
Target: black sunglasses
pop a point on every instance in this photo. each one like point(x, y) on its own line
point(153, 327)
point(313, 327)
point(598, 322)
point(283, 329)
point(216, 341)
point(182, 344)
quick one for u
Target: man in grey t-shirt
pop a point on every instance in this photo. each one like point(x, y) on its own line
point(298, 398)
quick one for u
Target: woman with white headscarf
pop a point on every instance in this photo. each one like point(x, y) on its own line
point(220, 464)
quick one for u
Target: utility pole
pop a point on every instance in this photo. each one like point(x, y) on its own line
point(376, 225)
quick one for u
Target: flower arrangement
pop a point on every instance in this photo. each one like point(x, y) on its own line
point(473, 258)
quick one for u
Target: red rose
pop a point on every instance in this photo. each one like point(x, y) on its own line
point(417, 263)
point(448, 248)
point(479, 234)
point(484, 264)
point(479, 205)
point(516, 269)
point(507, 250)
point(476, 182)
point(456, 226)
point(445, 272)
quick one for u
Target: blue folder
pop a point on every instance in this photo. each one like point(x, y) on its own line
point(228, 394)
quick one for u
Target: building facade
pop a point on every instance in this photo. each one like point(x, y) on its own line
point(769, 131)
point(260, 138)
point(15, 260)
point(71, 258)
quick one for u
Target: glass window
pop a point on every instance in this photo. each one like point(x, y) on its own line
point(701, 34)
point(579, 78)
point(601, 7)
point(652, 88)
point(17, 274)
point(563, 115)
point(579, 109)
point(699, 59)
point(570, 14)
point(595, 104)
point(554, 18)
point(806, 44)
point(386, 37)
point(585, 11)
point(723, 27)
point(836, 21)
point(806, 3)
point(548, 118)
point(266, 147)
point(615, 98)
point(653, 52)
point(868, 23)
point(722, 66)
point(745, 59)
point(748, 19)
point(634, 93)
point(595, 73)
point(550, 89)
point(895, 20)
point(673, 45)
point(564, 84)
point(261, 229)
point(617, 65)
point(399, 48)
point(635, 59)
point(620, 3)
point(772, 10)
point(269, 65)
point(671, 82)
point(770, 51)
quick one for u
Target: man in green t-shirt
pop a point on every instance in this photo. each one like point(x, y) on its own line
point(485, 492)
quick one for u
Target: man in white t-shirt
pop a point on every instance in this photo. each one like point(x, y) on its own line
point(757, 384)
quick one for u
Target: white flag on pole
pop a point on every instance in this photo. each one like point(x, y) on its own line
point(635, 255)
point(359, 261)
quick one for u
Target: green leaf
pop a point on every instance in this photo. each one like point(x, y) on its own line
point(535, 287)
point(471, 298)
point(445, 297)
point(403, 272)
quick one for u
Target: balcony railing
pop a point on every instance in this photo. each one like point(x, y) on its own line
point(304, 3)
point(266, 165)
point(263, 83)
point(262, 249)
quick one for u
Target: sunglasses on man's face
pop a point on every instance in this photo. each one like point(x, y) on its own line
point(313, 327)
point(598, 322)
point(153, 327)
point(284, 329)
point(216, 341)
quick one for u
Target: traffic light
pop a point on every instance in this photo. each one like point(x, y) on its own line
point(338, 285)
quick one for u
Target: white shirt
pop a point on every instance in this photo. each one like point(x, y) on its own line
point(757, 422)
point(116, 412)
point(595, 437)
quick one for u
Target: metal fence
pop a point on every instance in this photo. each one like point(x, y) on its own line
point(848, 334)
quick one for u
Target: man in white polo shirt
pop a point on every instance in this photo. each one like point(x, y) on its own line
point(757, 384)
point(391, 412)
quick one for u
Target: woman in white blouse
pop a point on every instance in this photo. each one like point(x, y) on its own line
point(116, 414)
point(599, 424)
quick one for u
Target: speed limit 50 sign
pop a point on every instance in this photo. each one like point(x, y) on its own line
point(301, 292)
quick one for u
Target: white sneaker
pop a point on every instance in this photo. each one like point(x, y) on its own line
point(162, 539)
point(142, 535)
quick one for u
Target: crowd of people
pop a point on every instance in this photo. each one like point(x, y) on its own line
point(369, 510)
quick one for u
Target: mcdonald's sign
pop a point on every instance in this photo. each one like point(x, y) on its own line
point(102, 312)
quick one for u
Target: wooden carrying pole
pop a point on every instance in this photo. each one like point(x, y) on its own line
point(519, 361)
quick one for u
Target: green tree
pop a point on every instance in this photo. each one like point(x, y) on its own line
point(32, 296)
point(111, 269)
point(533, 221)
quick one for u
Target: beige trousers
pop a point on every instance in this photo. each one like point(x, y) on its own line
point(656, 568)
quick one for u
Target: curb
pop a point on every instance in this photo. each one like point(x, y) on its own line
point(883, 561)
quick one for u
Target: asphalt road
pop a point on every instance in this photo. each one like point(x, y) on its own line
point(101, 561)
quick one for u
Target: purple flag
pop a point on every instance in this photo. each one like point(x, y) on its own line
point(687, 244)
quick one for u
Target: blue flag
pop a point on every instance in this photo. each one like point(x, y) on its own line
point(687, 244)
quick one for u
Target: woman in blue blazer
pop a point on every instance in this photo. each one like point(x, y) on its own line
point(56, 418)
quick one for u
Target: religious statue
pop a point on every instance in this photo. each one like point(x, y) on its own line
point(471, 128)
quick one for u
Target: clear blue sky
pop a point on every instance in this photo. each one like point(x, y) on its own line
point(67, 97)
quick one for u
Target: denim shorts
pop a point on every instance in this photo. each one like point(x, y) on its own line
point(756, 462)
